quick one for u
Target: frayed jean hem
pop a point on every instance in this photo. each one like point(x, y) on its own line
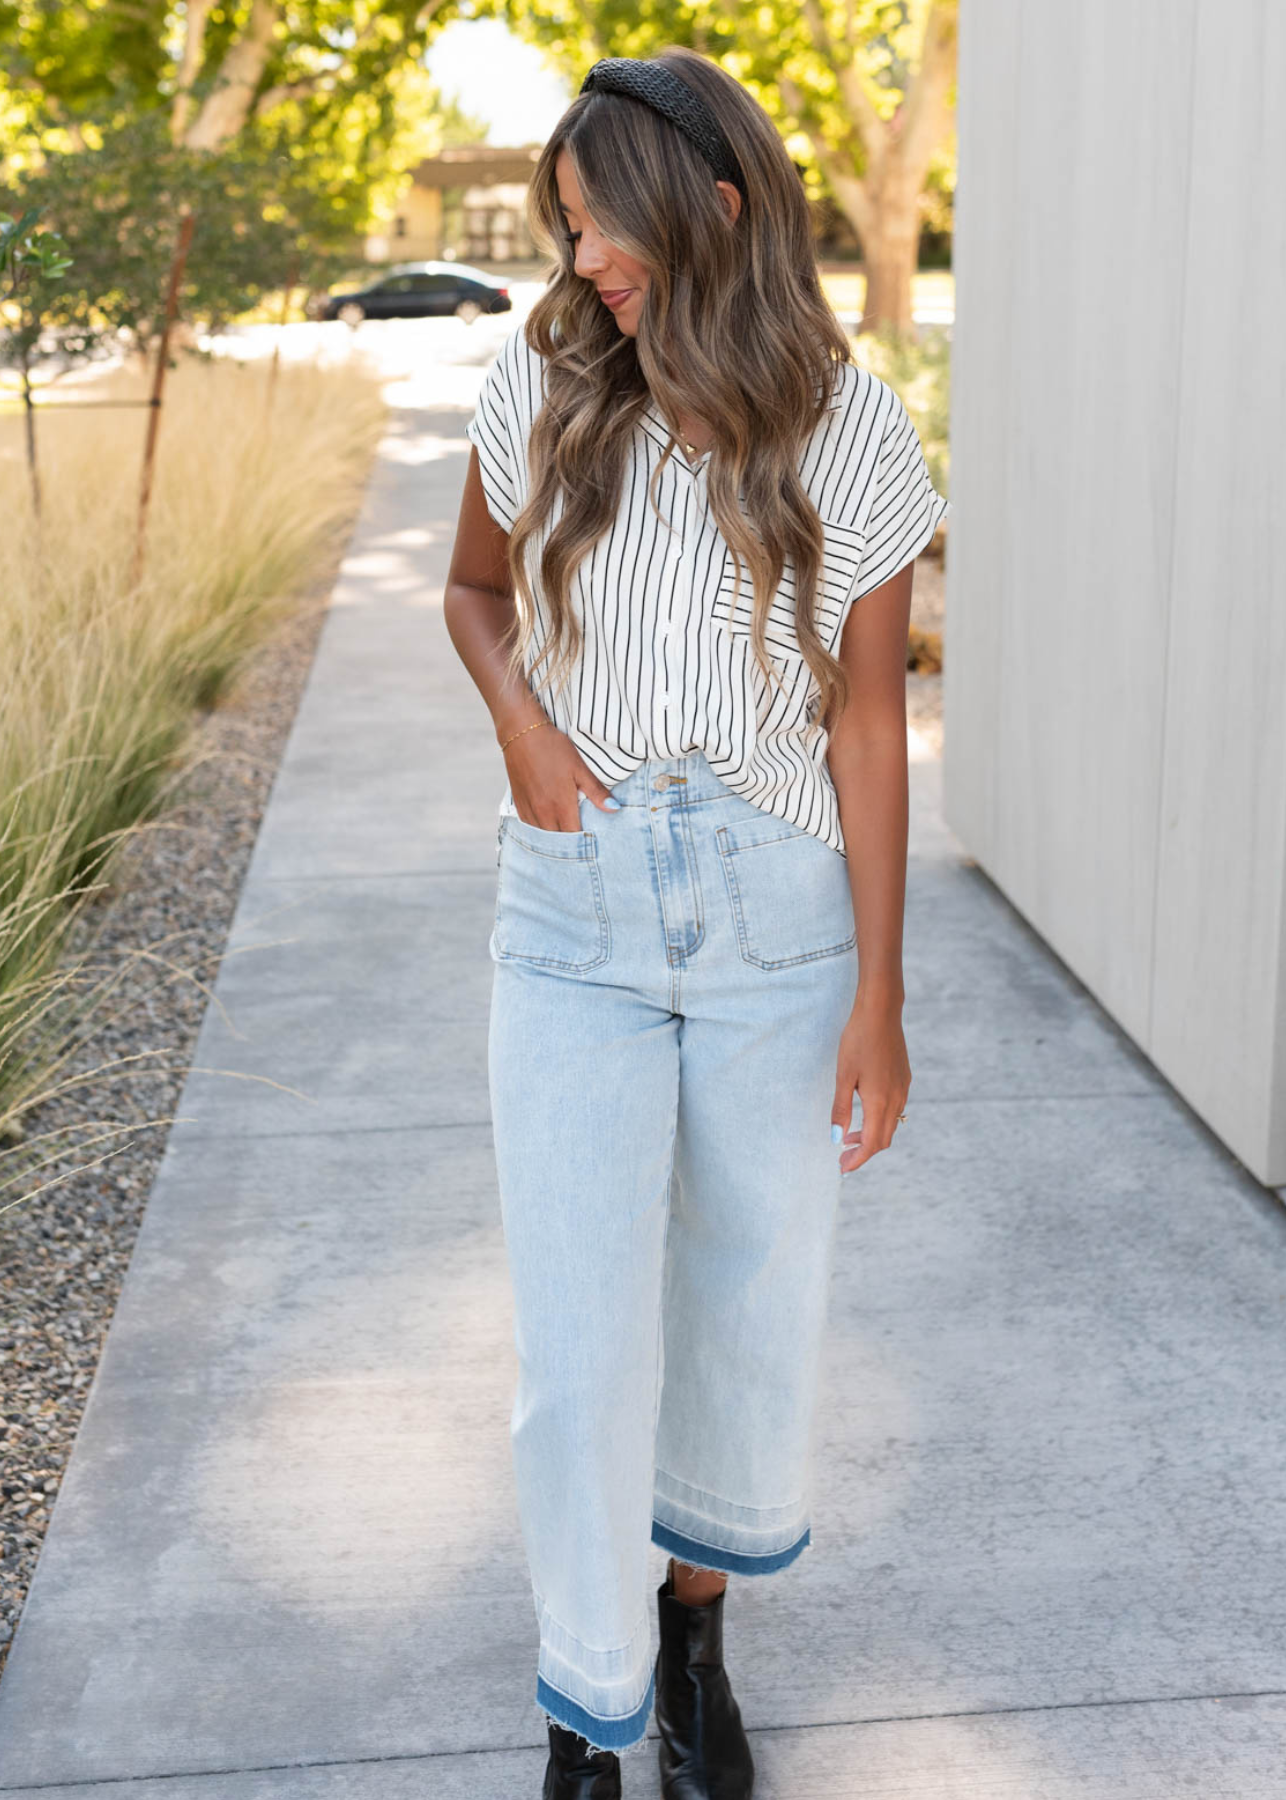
point(697, 1555)
point(600, 1734)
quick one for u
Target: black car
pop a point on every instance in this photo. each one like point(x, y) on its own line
point(420, 291)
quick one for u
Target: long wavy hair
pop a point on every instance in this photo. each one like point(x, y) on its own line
point(734, 330)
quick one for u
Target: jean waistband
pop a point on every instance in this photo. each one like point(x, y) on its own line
point(671, 781)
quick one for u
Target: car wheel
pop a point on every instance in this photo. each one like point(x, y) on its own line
point(468, 310)
point(351, 313)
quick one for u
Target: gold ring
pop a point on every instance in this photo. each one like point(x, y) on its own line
point(901, 1116)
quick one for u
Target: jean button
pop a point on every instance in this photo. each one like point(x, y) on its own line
point(662, 781)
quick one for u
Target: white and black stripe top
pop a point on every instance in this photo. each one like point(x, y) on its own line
point(667, 666)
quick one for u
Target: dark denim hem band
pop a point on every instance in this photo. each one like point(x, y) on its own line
point(604, 1734)
point(734, 1562)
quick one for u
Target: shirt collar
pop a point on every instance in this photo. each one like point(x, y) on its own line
point(654, 425)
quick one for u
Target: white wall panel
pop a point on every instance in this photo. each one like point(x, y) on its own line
point(1217, 1011)
point(1115, 756)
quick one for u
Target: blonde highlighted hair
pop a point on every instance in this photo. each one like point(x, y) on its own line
point(734, 330)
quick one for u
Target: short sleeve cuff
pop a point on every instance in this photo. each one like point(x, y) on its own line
point(907, 509)
point(493, 466)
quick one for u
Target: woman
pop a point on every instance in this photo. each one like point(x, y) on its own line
point(680, 487)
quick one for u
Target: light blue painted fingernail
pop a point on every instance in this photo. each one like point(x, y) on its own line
point(615, 805)
point(837, 1134)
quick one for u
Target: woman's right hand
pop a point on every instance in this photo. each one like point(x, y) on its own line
point(547, 775)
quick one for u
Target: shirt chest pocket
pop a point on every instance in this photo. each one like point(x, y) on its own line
point(842, 548)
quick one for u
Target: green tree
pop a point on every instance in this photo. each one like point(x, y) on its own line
point(873, 89)
point(65, 61)
point(337, 90)
point(30, 262)
point(118, 202)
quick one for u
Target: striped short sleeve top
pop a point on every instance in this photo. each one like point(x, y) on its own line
point(667, 667)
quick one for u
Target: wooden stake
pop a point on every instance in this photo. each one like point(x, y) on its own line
point(186, 223)
point(292, 282)
point(29, 407)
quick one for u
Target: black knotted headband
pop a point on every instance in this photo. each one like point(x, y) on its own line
point(640, 78)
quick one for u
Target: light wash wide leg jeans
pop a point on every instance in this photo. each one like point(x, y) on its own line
point(670, 985)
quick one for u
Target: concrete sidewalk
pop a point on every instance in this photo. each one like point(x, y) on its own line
point(285, 1559)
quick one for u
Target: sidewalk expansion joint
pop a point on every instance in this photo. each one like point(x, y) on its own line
point(427, 1756)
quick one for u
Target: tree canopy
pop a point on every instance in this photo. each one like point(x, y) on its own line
point(281, 125)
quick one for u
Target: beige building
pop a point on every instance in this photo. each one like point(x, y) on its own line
point(466, 204)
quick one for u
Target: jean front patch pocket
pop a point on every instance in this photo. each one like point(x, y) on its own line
point(549, 899)
point(790, 894)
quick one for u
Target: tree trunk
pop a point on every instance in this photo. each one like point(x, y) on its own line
point(196, 15)
point(890, 253)
point(183, 244)
point(228, 105)
point(884, 210)
point(882, 204)
point(889, 265)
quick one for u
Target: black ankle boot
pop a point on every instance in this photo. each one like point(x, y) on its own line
point(704, 1753)
point(575, 1772)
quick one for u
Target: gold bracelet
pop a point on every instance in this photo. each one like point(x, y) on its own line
point(518, 734)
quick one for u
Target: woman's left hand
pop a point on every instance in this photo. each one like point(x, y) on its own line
point(872, 1063)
